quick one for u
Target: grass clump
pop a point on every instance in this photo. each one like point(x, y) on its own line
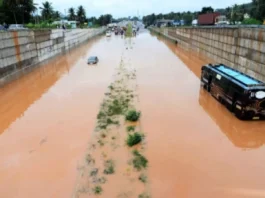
point(143, 178)
point(111, 87)
point(110, 121)
point(109, 167)
point(101, 115)
point(130, 128)
point(89, 159)
point(94, 172)
point(115, 108)
point(102, 180)
point(144, 195)
point(129, 31)
point(103, 135)
point(101, 143)
point(134, 139)
point(139, 161)
point(133, 115)
point(97, 190)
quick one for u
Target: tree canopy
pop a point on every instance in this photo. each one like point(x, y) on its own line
point(47, 11)
point(207, 10)
point(81, 14)
point(16, 11)
point(71, 14)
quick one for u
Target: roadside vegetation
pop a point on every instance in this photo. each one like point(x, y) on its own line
point(144, 195)
point(109, 167)
point(133, 115)
point(117, 127)
point(134, 139)
point(97, 190)
point(130, 128)
point(139, 161)
point(143, 178)
point(129, 30)
point(12, 10)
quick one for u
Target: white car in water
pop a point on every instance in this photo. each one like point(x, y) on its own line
point(108, 34)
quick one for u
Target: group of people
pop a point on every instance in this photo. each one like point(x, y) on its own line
point(119, 31)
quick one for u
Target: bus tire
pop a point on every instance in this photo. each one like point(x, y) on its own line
point(250, 115)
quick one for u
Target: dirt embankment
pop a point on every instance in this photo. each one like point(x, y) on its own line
point(115, 164)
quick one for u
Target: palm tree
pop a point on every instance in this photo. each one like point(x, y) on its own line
point(47, 10)
point(81, 14)
point(71, 13)
point(56, 15)
point(22, 8)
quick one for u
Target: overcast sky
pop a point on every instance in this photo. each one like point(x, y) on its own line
point(124, 8)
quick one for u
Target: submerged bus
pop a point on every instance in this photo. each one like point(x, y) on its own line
point(240, 93)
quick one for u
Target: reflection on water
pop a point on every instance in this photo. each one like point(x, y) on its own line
point(192, 60)
point(242, 134)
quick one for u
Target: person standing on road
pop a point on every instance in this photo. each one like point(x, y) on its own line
point(5, 26)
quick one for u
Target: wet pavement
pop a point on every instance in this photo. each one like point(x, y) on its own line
point(195, 147)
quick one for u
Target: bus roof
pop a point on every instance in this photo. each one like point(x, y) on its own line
point(247, 80)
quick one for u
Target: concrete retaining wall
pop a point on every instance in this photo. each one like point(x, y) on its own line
point(239, 48)
point(24, 48)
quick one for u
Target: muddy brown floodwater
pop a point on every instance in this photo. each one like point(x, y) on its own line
point(195, 147)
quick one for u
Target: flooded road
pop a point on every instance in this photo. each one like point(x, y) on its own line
point(46, 118)
point(195, 147)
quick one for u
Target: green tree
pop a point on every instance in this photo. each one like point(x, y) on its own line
point(81, 14)
point(187, 17)
point(71, 14)
point(57, 15)
point(135, 18)
point(17, 11)
point(207, 10)
point(258, 10)
point(104, 19)
point(47, 11)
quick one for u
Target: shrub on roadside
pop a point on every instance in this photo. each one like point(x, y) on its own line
point(251, 21)
point(109, 167)
point(97, 190)
point(130, 128)
point(133, 115)
point(143, 178)
point(139, 161)
point(134, 139)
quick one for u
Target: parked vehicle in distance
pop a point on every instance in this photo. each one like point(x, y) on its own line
point(221, 20)
point(194, 22)
point(208, 19)
point(240, 93)
point(2, 27)
point(17, 27)
point(92, 60)
point(108, 34)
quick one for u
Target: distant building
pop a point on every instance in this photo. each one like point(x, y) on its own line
point(164, 23)
point(66, 22)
